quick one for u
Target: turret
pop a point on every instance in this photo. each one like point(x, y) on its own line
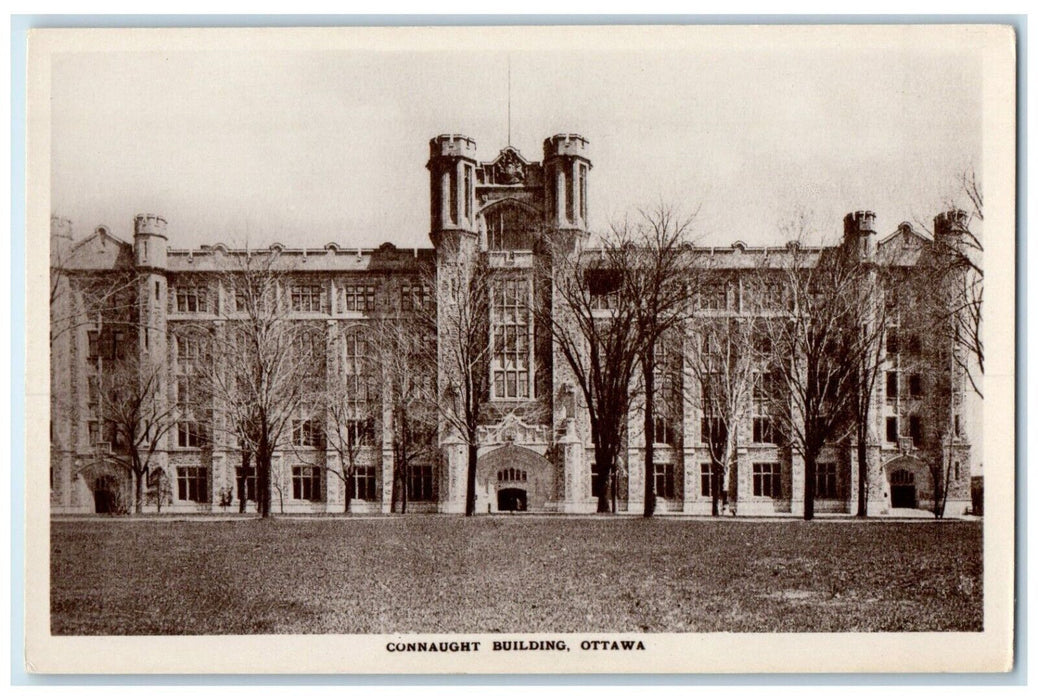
point(149, 241)
point(859, 233)
point(452, 187)
point(566, 167)
point(950, 228)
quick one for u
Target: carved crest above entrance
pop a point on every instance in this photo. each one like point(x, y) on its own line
point(508, 169)
point(512, 430)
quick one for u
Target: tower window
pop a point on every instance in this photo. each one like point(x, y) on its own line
point(891, 385)
point(511, 331)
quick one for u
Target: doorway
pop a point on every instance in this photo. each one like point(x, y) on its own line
point(511, 500)
point(104, 495)
point(902, 489)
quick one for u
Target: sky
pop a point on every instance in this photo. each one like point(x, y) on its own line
point(307, 147)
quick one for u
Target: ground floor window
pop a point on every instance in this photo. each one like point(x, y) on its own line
point(767, 479)
point(664, 480)
point(306, 483)
point(364, 482)
point(420, 486)
point(246, 481)
point(193, 484)
point(708, 476)
point(594, 481)
point(825, 481)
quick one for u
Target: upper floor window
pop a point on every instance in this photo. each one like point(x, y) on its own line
point(359, 297)
point(510, 338)
point(413, 296)
point(509, 227)
point(306, 298)
point(192, 299)
point(713, 296)
point(306, 433)
point(106, 344)
point(893, 345)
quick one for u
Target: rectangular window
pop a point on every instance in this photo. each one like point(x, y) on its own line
point(915, 430)
point(958, 426)
point(663, 433)
point(245, 480)
point(307, 298)
point(763, 430)
point(891, 385)
point(94, 432)
point(306, 433)
point(708, 477)
point(595, 490)
point(767, 479)
point(664, 480)
point(420, 482)
point(359, 297)
point(891, 429)
point(510, 338)
point(93, 345)
point(192, 299)
point(915, 345)
point(364, 482)
point(191, 434)
point(93, 392)
point(306, 483)
point(825, 480)
point(413, 297)
point(713, 296)
point(915, 385)
point(193, 484)
point(712, 430)
point(892, 341)
point(956, 470)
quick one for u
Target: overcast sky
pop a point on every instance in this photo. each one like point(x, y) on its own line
point(318, 146)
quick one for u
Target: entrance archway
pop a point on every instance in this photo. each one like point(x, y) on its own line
point(902, 489)
point(513, 478)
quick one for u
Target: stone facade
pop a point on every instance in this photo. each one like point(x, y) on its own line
point(534, 450)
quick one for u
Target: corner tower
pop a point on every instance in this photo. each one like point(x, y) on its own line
point(149, 254)
point(859, 234)
point(452, 166)
point(566, 168)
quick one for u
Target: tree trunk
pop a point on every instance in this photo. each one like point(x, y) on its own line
point(348, 487)
point(263, 481)
point(863, 473)
point(470, 477)
point(243, 490)
point(138, 496)
point(809, 485)
point(648, 369)
point(604, 465)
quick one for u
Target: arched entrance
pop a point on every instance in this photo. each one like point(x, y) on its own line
point(514, 479)
point(902, 489)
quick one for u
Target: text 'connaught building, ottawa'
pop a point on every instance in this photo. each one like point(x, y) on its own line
point(113, 299)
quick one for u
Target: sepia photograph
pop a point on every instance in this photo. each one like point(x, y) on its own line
point(522, 349)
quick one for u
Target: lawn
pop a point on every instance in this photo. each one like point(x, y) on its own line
point(515, 574)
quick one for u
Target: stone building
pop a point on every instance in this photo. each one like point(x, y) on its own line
point(110, 298)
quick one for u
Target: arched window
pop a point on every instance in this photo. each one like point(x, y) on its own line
point(510, 227)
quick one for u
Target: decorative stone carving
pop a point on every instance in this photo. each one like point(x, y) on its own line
point(513, 430)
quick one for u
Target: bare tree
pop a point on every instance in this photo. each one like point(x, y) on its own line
point(405, 357)
point(258, 366)
point(131, 404)
point(659, 280)
point(594, 325)
point(816, 348)
point(460, 322)
point(721, 354)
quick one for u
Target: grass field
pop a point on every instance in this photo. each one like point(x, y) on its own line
point(518, 574)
